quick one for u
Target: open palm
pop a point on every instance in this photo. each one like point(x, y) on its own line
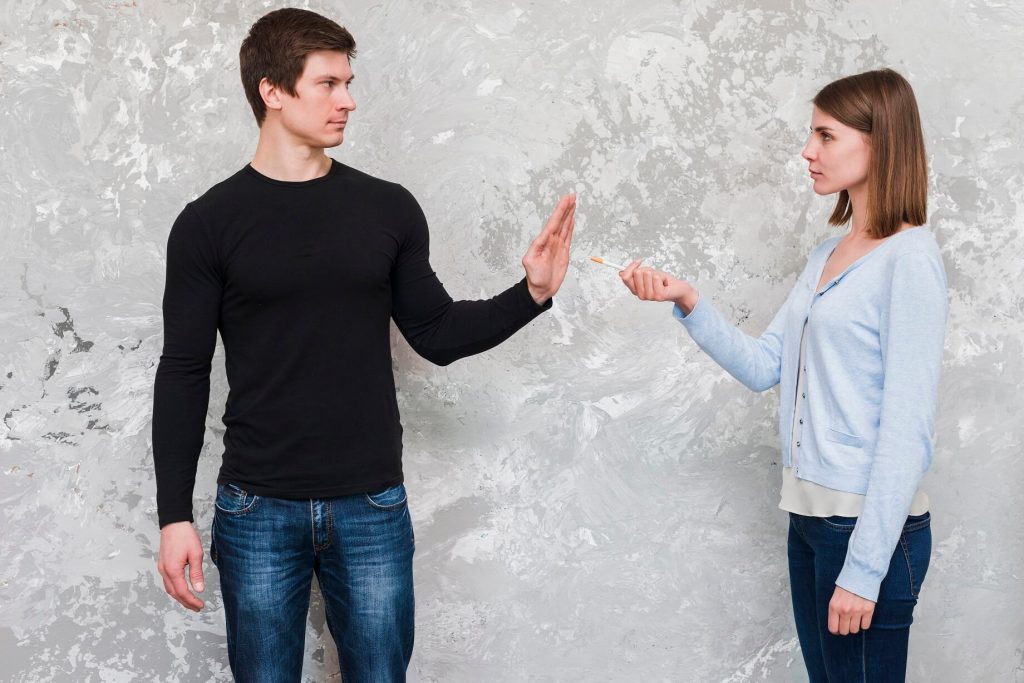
point(547, 259)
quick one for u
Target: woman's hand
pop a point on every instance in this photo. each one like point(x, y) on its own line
point(648, 284)
point(848, 613)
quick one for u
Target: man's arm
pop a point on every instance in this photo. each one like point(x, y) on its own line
point(191, 306)
point(443, 330)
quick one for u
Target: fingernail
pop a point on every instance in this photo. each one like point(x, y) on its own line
point(200, 586)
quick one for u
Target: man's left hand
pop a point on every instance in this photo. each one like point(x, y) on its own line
point(547, 259)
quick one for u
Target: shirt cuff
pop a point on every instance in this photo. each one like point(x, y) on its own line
point(695, 315)
point(528, 298)
point(859, 583)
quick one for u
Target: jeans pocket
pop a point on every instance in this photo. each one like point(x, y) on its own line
point(390, 498)
point(837, 523)
point(234, 500)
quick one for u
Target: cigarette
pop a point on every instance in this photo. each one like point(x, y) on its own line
point(598, 259)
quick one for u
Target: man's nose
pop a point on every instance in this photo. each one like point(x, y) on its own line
point(345, 101)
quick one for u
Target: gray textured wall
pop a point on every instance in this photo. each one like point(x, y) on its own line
point(595, 500)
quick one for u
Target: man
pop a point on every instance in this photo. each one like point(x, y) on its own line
point(301, 262)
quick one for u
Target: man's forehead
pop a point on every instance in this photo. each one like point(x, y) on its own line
point(328, 64)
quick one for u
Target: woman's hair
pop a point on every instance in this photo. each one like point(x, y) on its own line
point(276, 49)
point(881, 104)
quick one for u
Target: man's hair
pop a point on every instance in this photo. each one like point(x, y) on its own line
point(881, 104)
point(276, 49)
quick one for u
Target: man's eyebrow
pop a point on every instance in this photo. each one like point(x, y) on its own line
point(332, 77)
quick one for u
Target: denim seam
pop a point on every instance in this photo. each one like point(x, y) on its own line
point(312, 525)
point(798, 525)
point(330, 525)
point(213, 540)
point(328, 515)
point(917, 525)
point(910, 570)
point(863, 657)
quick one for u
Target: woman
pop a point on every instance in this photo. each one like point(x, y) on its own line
point(857, 348)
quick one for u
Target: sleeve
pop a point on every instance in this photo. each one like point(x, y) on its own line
point(911, 335)
point(191, 309)
point(438, 328)
point(756, 362)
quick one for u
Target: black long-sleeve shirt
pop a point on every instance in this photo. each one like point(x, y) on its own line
point(301, 279)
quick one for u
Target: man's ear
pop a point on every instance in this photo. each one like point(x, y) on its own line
point(271, 94)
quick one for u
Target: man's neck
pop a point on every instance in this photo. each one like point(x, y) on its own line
point(282, 159)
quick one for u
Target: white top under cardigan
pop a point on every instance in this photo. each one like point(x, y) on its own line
point(804, 497)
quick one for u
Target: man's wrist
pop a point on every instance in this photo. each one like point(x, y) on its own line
point(539, 297)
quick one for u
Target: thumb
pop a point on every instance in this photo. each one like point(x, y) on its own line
point(195, 570)
point(659, 286)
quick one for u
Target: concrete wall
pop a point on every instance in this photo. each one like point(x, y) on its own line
point(595, 500)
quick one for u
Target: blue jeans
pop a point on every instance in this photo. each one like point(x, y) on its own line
point(817, 550)
point(360, 548)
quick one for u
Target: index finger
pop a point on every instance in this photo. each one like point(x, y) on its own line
point(182, 593)
point(567, 235)
point(563, 226)
point(558, 215)
point(833, 620)
point(628, 272)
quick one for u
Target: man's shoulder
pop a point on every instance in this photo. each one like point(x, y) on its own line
point(365, 182)
point(224, 191)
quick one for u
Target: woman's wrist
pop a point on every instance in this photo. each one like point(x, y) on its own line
point(688, 301)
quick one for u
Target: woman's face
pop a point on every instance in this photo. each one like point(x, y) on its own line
point(838, 157)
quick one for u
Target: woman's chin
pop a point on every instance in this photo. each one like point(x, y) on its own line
point(822, 189)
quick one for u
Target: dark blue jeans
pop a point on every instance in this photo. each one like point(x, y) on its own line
point(817, 550)
point(359, 547)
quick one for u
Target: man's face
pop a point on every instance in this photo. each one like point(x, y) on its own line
point(838, 156)
point(317, 115)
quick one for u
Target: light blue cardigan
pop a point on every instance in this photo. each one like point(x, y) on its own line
point(874, 349)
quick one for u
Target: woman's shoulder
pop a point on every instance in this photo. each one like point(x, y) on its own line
point(916, 254)
point(918, 241)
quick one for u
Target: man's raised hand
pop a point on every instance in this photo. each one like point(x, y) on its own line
point(547, 259)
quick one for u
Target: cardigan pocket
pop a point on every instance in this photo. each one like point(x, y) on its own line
point(842, 437)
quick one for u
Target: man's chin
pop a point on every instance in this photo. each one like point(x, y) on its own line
point(333, 141)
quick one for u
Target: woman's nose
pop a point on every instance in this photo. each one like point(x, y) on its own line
point(808, 152)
